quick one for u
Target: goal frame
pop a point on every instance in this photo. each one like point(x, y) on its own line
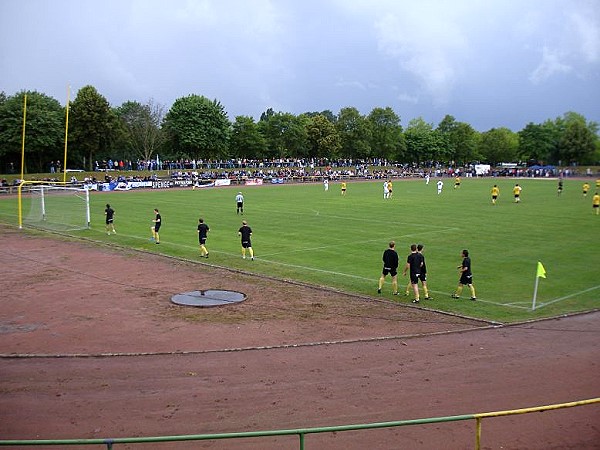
point(50, 184)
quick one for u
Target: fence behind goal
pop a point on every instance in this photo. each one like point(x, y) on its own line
point(53, 206)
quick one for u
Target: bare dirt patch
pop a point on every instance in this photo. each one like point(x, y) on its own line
point(289, 356)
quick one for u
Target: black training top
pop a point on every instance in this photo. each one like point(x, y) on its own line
point(423, 266)
point(390, 259)
point(245, 231)
point(202, 230)
point(415, 261)
point(466, 264)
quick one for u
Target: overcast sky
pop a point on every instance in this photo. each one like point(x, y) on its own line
point(490, 63)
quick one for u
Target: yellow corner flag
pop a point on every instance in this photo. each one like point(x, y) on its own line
point(541, 272)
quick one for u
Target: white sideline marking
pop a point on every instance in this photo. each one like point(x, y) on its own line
point(515, 305)
point(541, 305)
point(314, 269)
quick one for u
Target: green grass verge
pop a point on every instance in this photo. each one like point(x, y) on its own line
point(303, 233)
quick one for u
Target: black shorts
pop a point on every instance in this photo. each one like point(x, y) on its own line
point(494, 197)
point(202, 240)
point(156, 226)
point(392, 271)
point(246, 244)
point(109, 221)
point(466, 279)
point(422, 277)
point(414, 278)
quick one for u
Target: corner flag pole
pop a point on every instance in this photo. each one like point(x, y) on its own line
point(540, 273)
point(23, 137)
point(66, 135)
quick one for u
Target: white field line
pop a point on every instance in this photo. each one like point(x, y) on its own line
point(168, 243)
point(516, 305)
point(369, 240)
point(541, 305)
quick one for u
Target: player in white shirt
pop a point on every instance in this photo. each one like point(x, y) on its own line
point(239, 201)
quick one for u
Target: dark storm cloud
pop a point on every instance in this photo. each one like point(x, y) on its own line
point(489, 63)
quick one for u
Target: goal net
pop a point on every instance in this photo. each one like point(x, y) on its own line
point(54, 207)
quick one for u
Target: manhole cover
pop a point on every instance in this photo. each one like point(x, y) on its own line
point(209, 297)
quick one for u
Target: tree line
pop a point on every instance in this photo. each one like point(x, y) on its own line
point(198, 128)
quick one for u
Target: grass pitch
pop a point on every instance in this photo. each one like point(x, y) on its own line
point(303, 233)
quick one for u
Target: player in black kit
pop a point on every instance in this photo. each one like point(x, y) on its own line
point(390, 266)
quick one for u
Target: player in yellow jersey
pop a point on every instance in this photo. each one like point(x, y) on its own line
point(517, 193)
point(390, 189)
point(586, 188)
point(456, 182)
point(343, 188)
point(495, 194)
point(596, 203)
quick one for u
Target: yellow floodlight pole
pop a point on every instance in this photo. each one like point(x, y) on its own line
point(66, 136)
point(23, 137)
point(22, 161)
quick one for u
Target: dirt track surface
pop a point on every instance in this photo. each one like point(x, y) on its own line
point(288, 357)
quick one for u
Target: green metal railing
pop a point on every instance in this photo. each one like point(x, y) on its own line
point(300, 432)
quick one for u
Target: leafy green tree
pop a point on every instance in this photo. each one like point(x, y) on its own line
point(285, 134)
point(323, 138)
point(577, 143)
point(537, 142)
point(355, 134)
point(499, 145)
point(44, 131)
point(577, 140)
point(387, 140)
point(423, 143)
point(327, 114)
point(459, 141)
point(596, 155)
point(246, 139)
point(142, 131)
point(267, 115)
point(465, 139)
point(92, 126)
point(198, 128)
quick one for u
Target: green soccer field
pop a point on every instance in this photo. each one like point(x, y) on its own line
point(303, 233)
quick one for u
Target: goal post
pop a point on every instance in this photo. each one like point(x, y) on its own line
point(53, 206)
